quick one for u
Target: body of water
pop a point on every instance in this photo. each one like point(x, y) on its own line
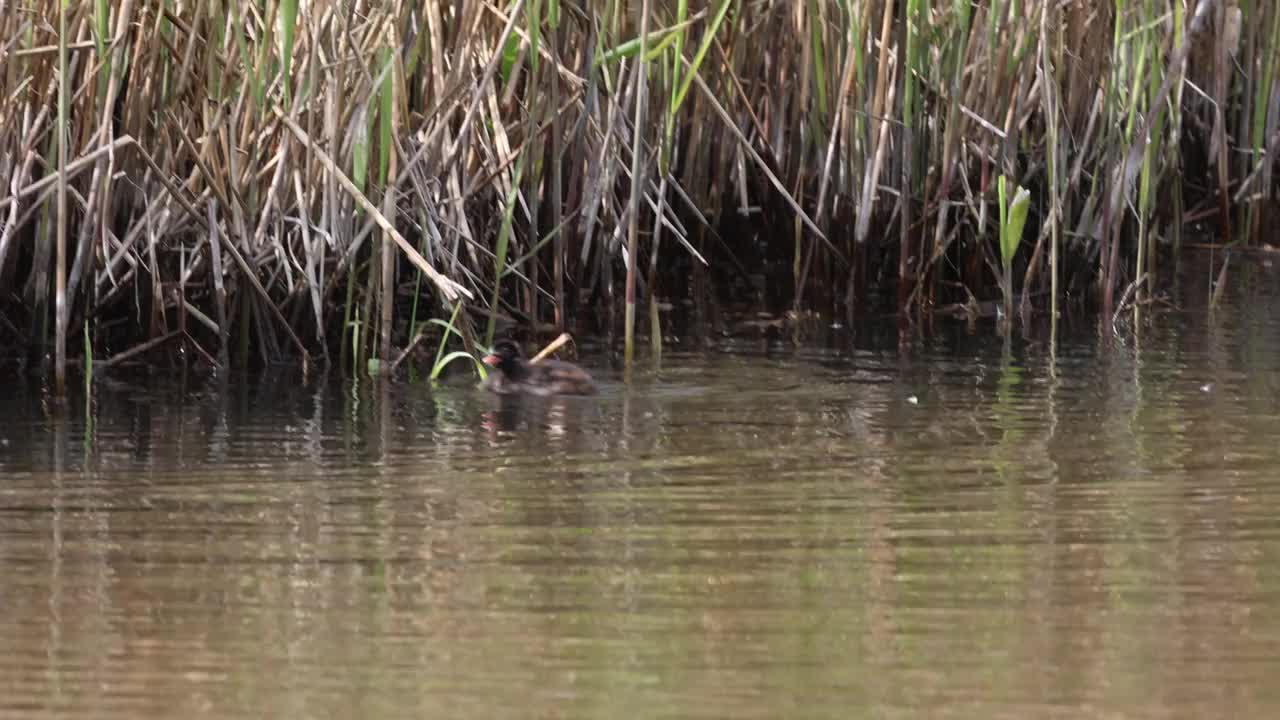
point(946, 529)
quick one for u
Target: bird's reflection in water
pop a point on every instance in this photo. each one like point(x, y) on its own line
point(556, 422)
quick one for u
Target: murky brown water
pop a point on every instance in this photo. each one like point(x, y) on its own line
point(804, 533)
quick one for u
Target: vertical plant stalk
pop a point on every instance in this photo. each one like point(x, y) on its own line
point(655, 320)
point(1221, 82)
point(879, 127)
point(288, 30)
point(637, 188)
point(1049, 93)
point(951, 139)
point(1124, 175)
point(915, 15)
point(846, 83)
point(1146, 192)
point(61, 309)
point(500, 253)
point(88, 381)
point(96, 213)
point(219, 289)
point(533, 115)
point(1265, 46)
point(386, 140)
point(1173, 147)
point(796, 152)
point(556, 193)
point(388, 271)
point(1006, 264)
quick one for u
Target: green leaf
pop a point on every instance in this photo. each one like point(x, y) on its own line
point(1017, 219)
point(631, 47)
point(1013, 216)
point(288, 27)
point(443, 360)
point(456, 355)
point(448, 326)
point(509, 55)
point(707, 39)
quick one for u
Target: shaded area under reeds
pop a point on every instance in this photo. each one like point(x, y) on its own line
point(315, 180)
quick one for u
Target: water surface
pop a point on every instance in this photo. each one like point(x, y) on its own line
point(945, 530)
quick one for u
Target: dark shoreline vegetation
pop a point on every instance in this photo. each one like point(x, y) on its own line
point(331, 183)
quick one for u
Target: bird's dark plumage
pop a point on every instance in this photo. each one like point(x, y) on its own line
point(515, 375)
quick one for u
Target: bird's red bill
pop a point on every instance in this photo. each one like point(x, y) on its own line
point(492, 360)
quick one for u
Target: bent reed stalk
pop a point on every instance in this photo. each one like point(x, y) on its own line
point(290, 172)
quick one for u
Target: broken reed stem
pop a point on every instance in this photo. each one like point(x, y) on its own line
point(552, 346)
point(139, 349)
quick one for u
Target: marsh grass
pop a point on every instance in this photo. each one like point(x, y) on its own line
point(301, 176)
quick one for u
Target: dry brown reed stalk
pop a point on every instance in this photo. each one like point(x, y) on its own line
point(60, 273)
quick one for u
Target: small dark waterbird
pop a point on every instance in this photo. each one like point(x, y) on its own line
point(516, 375)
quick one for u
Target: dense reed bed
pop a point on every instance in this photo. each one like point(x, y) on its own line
point(316, 180)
